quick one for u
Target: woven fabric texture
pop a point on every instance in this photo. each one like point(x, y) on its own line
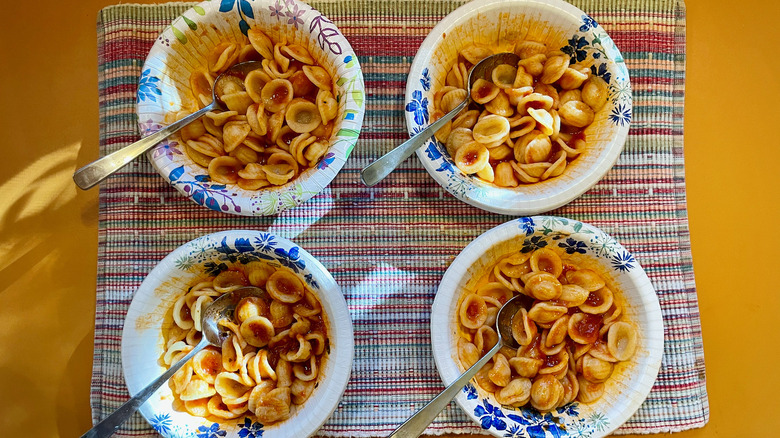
point(388, 246)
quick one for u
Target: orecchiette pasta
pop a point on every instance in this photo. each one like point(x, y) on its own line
point(570, 331)
point(271, 360)
point(279, 120)
point(527, 119)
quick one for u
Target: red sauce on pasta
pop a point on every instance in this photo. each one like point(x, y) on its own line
point(302, 86)
point(280, 95)
point(483, 92)
point(473, 310)
point(211, 364)
point(589, 327)
point(551, 361)
point(470, 158)
point(594, 300)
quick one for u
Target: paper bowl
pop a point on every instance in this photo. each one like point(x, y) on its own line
point(558, 25)
point(143, 342)
point(631, 381)
point(182, 47)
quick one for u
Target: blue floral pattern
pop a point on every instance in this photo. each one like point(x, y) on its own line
point(244, 9)
point(162, 423)
point(148, 87)
point(418, 106)
point(212, 431)
point(250, 429)
point(526, 422)
point(567, 234)
point(214, 257)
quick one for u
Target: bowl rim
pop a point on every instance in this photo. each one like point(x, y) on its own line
point(338, 365)
point(448, 294)
point(231, 198)
point(486, 195)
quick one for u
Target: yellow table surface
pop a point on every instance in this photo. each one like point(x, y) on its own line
point(48, 234)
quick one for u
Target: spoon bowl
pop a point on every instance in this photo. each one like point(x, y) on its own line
point(100, 169)
point(417, 423)
point(379, 169)
point(221, 308)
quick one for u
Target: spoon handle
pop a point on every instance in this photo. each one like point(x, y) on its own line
point(109, 425)
point(379, 169)
point(102, 168)
point(417, 423)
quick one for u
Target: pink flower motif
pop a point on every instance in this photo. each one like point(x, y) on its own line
point(295, 16)
point(166, 149)
point(277, 10)
point(148, 127)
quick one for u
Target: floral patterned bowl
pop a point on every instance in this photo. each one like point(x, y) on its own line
point(629, 385)
point(143, 343)
point(557, 24)
point(164, 89)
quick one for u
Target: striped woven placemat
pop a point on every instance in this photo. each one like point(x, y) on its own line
point(388, 246)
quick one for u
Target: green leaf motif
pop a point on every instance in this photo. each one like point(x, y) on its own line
point(350, 148)
point(190, 23)
point(346, 132)
point(357, 96)
point(199, 10)
point(179, 35)
point(341, 81)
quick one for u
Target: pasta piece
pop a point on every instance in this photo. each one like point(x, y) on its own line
point(197, 389)
point(572, 79)
point(261, 42)
point(503, 76)
point(231, 388)
point(589, 391)
point(302, 116)
point(307, 372)
point(546, 260)
point(467, 353)
point(218, 408)
point(543, 286)
point(491, 128)
point(473, 311)
point(545, 392)
point(544, 312)
point(526, 366)
point(452, 99)
point(516, 393)
point(257, 331)
point(485, 338)
point(301, 390)
point(573, 295)
point(471, 157)
point(622, 340)
point(224, 170)
point(249, 307)
point(595, 92)
point(596, 370)
point(285, 286)
point(523, 328)
point(528, 49)
point(207, 364)
point(598, 302)
point(577, 114)
point(500, 374)
point(584, 328)
point(483, 91)
point(585, 278)
point(500, 106)
point(276, 94)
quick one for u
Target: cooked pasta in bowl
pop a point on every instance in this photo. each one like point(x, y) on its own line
point(288, 126)
point(588, 339)
point(286, 361)
point(535, 135)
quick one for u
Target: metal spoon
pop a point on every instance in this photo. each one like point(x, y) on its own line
point(102, 168)
point(417, 423)
point(379, 169)
point(221, 308)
